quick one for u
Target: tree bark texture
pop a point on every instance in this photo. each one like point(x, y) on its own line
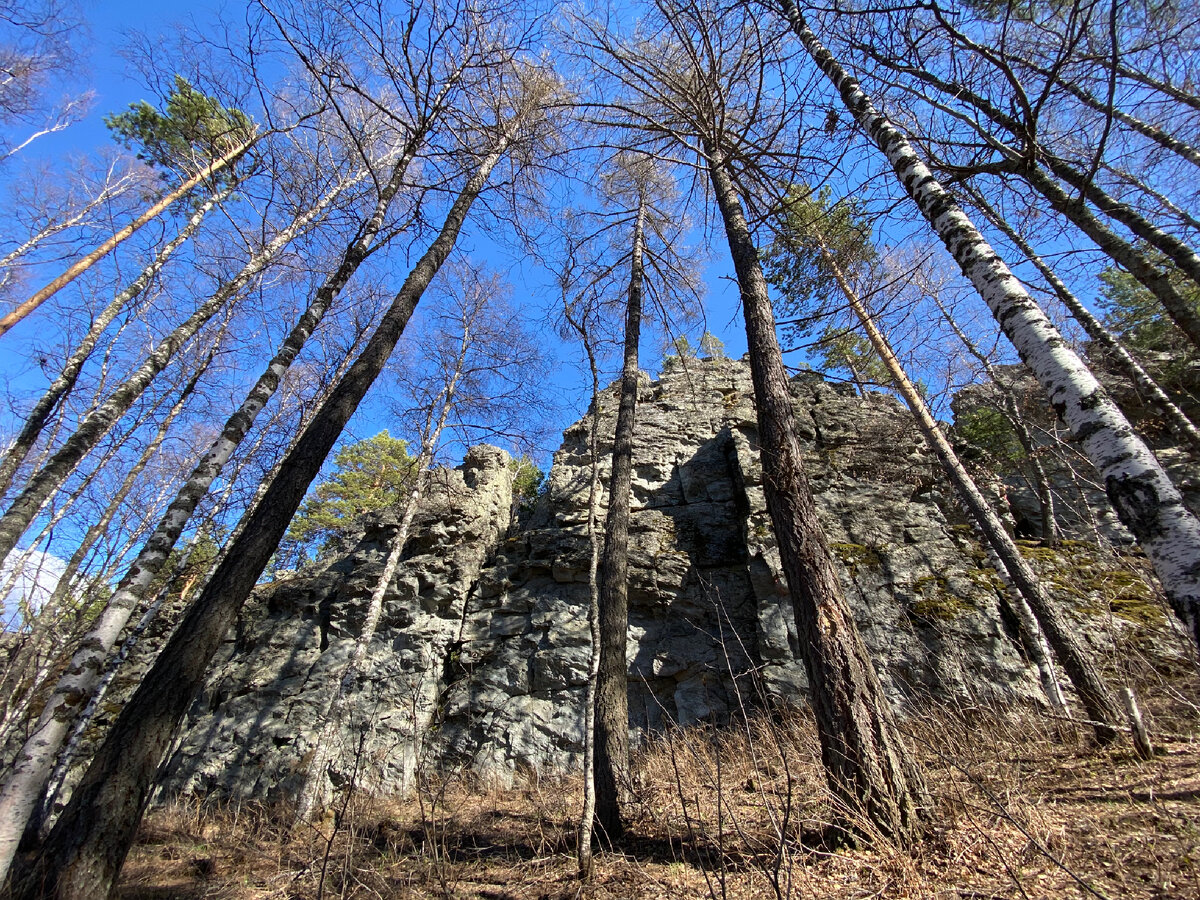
point(1179, 422)
point(33, 764)
point(869, 770)
point(612, 685)
point(85, 851)
point(82, 676)
point(1070, 207)
point(1146, 501)
point(1076, 661)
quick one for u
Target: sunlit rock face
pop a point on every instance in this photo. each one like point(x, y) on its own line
point(481, 657)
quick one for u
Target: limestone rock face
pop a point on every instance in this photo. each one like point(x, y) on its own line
point(481, 658)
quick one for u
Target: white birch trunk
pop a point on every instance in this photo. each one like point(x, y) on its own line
point(84, 672)
point(32, 766)
point(1183, 427)
point(1144, 497)
point(66, 378)
point(47, 479)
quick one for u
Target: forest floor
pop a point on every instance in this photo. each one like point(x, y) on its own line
point(1025, 809)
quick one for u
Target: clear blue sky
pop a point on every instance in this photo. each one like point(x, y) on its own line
point(116, 85)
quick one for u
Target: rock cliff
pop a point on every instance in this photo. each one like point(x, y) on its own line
point(481, 656)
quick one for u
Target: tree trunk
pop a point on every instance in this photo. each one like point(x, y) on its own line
point(66, 378)
point(83, 855)
point(108, 246)
point(79, 682)
point(1012, 412)
point(313, 793)
point(1146, 501)
point(22, 511)
point(33, 764)
point(612, 684)
point(1146, 129)
point(1154, 279)
point(1099, 702)
point(587, 815)
point(1178, 252)
point(1181, 425)
point(1070, 207)
point(869, 770)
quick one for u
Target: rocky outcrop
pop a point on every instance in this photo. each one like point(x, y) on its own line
point(481, 656)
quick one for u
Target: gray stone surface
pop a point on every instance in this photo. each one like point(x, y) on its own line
point(481, 657)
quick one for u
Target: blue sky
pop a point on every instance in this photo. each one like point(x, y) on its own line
point(116, 85)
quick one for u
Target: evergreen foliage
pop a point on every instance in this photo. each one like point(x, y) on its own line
point(192, 130)
point(1136, 316)
point(527, 482)
point(370, 475)
point(793, 262)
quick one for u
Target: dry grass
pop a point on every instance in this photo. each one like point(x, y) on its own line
point(738, 812)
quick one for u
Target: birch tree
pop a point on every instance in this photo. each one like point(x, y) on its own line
point(49, 476)
point(1144, 497)
point(84, 852)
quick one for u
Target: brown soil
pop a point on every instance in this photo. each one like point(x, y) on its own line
point(1022, 810)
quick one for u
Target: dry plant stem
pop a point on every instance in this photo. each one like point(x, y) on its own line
point(870, 771)
point(1092, 690)
point(1141, 492)
point(81, 266)
point(1141, 737)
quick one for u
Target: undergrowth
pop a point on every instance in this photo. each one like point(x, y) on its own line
point(1022, 809)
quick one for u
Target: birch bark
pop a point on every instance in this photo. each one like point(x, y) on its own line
point(1146, 501)
point(47, 479)
point(1183, 427)
point(35, 422)
point(33, 763)
point(314, 792)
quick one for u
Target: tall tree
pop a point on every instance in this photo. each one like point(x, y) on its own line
point(695, 83)
point(475, 347)
point(96, 424)
point(194, 133)
point(84, 852)
point(1144, 497)
point(803, 230)
point(612, 685)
